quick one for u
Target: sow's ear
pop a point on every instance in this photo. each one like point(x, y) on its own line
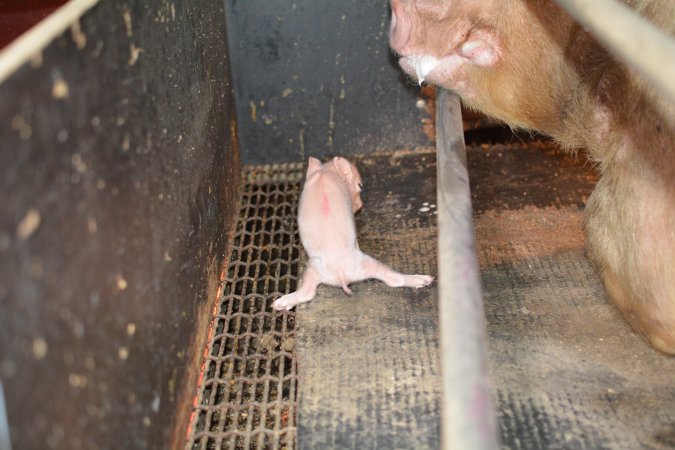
point(313, 165)
point(481, 47)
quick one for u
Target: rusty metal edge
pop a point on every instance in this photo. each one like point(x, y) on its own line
point(468, 418)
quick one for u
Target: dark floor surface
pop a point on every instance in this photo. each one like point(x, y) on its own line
point(368, 365)
point(567, 370)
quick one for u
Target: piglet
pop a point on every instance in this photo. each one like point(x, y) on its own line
point(328, 202)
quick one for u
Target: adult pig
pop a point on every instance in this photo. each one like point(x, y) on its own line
point(531, 65)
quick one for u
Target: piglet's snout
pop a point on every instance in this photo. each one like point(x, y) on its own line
point(400, 27)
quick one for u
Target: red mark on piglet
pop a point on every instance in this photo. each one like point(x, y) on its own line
point(325, 205)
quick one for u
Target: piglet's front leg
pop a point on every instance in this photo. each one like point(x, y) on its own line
point(310, 281)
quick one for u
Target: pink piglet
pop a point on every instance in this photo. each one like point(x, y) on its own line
point(329, 199)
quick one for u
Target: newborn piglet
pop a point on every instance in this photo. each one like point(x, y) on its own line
point(328, 202)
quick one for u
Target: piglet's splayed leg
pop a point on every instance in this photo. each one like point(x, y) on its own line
point(329, 199)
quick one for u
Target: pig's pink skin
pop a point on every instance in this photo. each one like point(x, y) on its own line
point(531, 65)
point(328, 202)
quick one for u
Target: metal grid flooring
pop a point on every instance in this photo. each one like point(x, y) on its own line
point(248, 390)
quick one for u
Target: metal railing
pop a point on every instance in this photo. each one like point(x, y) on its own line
point(468, 418)
point(29, 45)
point(640, 44)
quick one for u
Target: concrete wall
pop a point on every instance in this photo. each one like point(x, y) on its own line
point(317, 78)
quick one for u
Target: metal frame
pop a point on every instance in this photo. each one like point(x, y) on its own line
point(30, 44)
point(468, 420)
point(646, 48)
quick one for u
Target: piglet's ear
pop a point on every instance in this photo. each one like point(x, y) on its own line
point(344, 168)
point(481, 48)
point(313, 165)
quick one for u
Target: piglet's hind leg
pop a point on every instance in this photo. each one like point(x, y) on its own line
point(310, 281)
point(372, 268)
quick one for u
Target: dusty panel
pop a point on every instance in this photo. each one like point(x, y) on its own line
point(247, 392)
point(569, 372)
point(118, 177)
point(316, 78)
point(368, 365)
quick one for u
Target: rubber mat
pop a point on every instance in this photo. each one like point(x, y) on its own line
point(368, 365)
point(568, 371)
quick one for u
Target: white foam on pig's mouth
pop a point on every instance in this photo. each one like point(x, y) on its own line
point(423, 65)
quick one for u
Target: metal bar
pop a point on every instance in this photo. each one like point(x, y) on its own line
point(30, 44)
point(646, 48)
point(468, 420)
point(5, 441)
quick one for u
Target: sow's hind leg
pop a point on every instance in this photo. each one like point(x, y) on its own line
point(631, 236)
point(372, 268)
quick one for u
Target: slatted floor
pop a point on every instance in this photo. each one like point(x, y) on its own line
point(248, 396)
point(248, 390)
